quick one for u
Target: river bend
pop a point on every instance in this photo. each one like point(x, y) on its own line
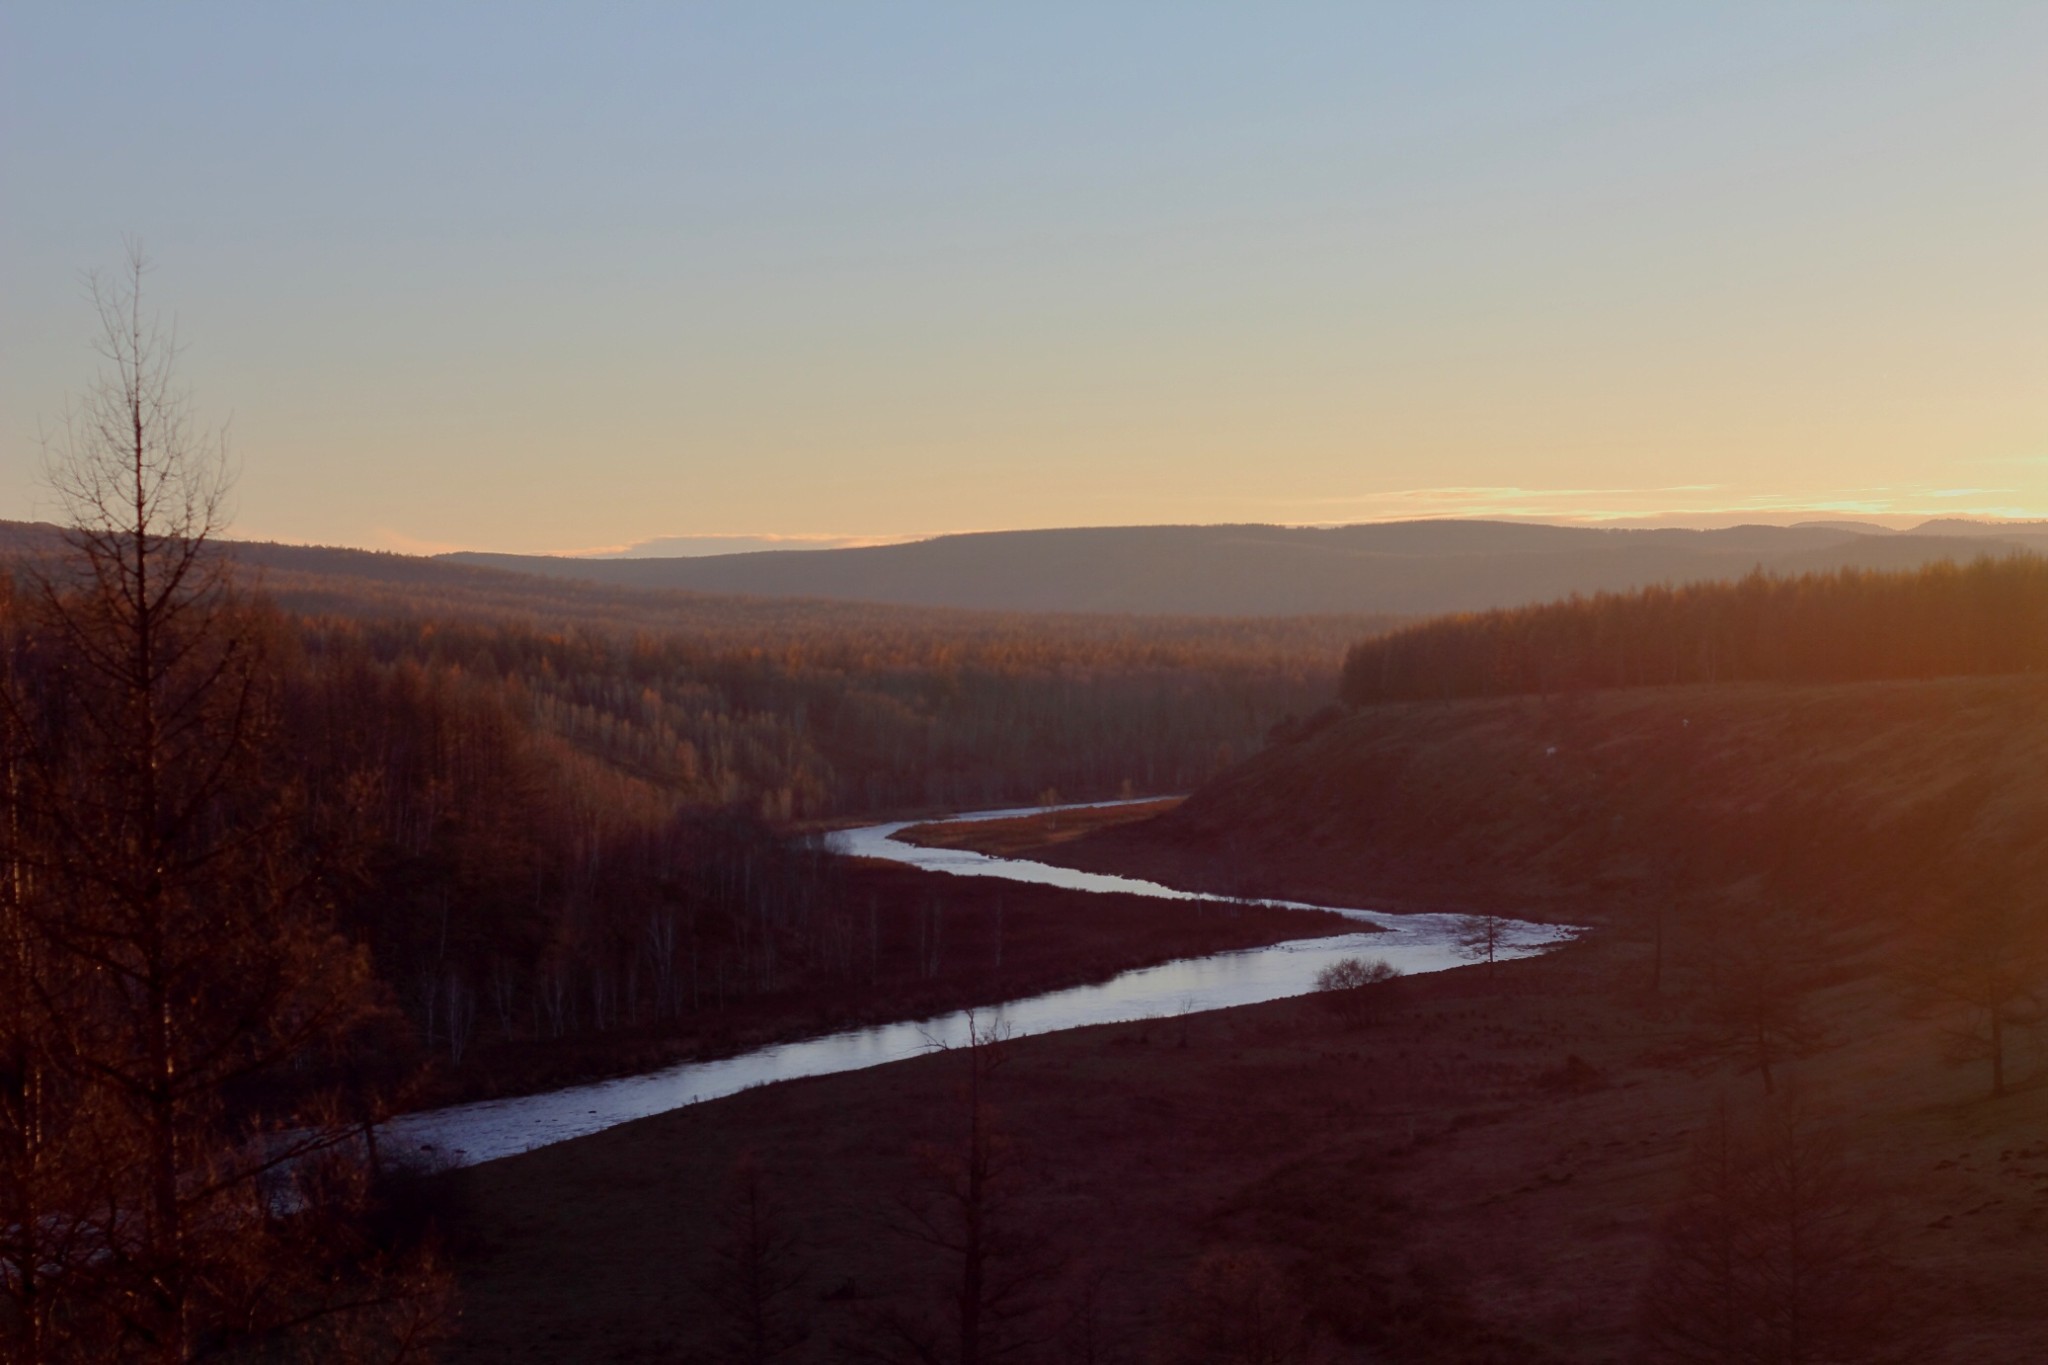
point(489, 1129)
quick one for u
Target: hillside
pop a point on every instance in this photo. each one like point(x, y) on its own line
point(1411, 567)
point(1874, 800)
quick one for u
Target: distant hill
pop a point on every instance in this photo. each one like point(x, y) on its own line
point(323, 580)
point(1381, 570)
point(1413, 567)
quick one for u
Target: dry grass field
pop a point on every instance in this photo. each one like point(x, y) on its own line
point(1444, 1184)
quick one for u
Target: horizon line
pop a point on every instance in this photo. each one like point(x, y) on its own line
point(1889, 522)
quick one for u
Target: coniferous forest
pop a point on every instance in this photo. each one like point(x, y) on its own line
point(1986, 616)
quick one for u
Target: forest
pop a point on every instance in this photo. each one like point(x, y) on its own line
point(551, 828)
point(1987, 616)
point(800, 709)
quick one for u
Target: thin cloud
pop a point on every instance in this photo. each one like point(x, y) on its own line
point(1672, 504)
point(720, 543)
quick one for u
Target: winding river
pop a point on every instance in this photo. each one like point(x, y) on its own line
point(484, 1131)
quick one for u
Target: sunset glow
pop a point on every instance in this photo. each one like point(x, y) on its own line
point(505, 278)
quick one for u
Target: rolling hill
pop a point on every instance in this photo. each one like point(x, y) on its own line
point(1414, 567)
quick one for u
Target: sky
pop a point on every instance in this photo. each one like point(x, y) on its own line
point(581, 278)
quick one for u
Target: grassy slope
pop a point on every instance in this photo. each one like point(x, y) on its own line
point(1874, 799)
point(1432, 1196)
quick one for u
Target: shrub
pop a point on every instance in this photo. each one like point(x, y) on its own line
point(1345, 986)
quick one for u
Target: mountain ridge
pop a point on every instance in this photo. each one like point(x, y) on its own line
point(1249, 569)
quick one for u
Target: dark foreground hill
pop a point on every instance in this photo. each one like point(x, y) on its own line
point(1394, 567)
point(1476, 1177)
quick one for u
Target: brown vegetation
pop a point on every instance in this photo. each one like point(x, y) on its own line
point(179, 1176)
point(1986, 615)
point(1886, 803)
point(571, 837)
point(1502, 1174)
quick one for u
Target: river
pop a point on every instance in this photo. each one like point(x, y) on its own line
point(489, 1129)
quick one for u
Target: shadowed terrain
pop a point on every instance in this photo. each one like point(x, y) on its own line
point(1485, 1167)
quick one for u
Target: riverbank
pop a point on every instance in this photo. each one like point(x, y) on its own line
point(1033, 834)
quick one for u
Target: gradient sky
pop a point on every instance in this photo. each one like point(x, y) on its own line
point(569, 277)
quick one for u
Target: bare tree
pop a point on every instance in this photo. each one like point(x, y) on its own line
point(964, 1208)
point(52, 1134)
point(1757, 975)
point(1090, 1332)
point(167, 869)
point(1695, 1305)
point(1483, 937)
point(460, 998)
point(756, 1264)
point(1985, 967)
point(1775, 1255)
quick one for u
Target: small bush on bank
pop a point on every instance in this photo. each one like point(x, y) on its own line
point(1346, 986)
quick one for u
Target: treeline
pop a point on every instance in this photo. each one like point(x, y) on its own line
point(556, 835)
point(846, 723)
point(1988, 616)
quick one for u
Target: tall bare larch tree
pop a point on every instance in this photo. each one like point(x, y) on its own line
point(168, 911)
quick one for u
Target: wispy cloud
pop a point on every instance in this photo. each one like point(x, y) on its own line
point(728, 543)
point(1480, 500)
point(1698, 503)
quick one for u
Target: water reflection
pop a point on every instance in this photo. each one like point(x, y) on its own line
point(1415, 943)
